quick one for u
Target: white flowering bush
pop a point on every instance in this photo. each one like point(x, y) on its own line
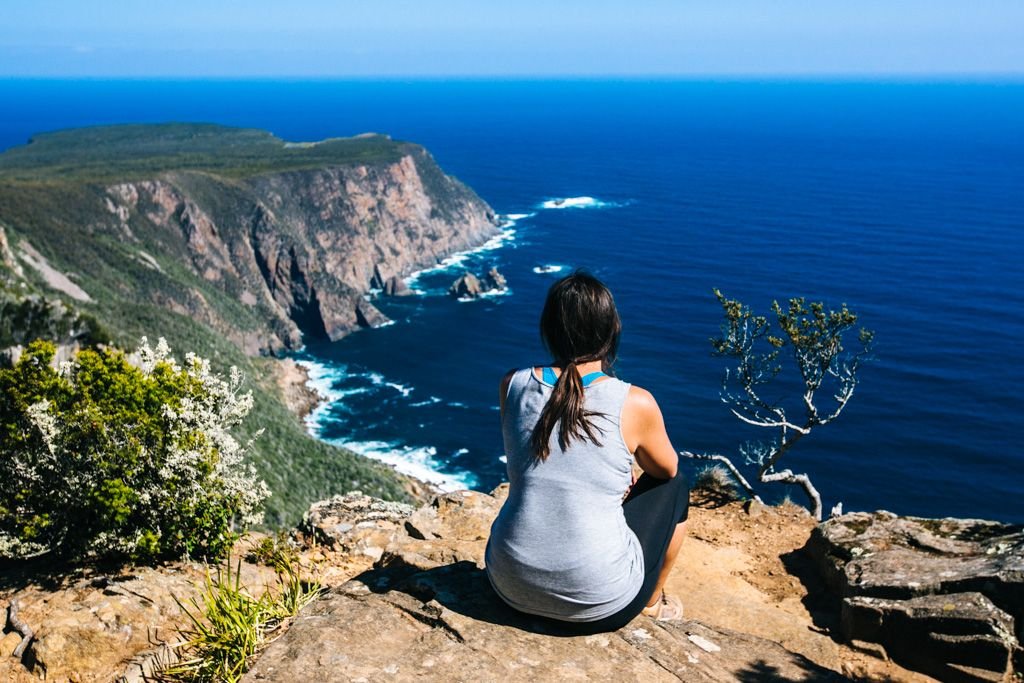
point(127, 457)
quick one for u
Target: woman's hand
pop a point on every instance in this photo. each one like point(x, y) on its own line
point(632, 481)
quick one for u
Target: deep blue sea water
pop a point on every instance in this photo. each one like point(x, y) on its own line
point(904, 200)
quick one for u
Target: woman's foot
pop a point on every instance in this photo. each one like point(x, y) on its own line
point(665, 608)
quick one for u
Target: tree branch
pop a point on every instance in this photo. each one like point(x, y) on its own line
point(18, 626)
point(803, 480)
point(770, 423)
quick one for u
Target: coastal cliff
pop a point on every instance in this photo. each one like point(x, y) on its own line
point(300, 248)
point(265, 254)
point(230, 243)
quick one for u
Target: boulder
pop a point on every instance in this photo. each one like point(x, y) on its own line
point(974, 636)
point(395, 286)
point(461, 515)
point(495, 280)
point(367, 315)
point(468, 285)
point(355, 523)
point(937, 593)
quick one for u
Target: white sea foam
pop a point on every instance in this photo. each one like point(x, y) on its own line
point(548, 268)
point(322, 378)
point(419, 462)
point(459, 258)
point(510, 219)
point(489, 294)
point(428, 402)
point(416, 461)
point(576, 203)
point(405, 391)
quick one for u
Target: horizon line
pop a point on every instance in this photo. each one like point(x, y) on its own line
point(910, 76)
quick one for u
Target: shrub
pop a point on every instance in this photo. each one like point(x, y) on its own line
point(103, 458)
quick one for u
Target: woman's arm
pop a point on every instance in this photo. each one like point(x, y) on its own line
point(503, 390)
point(643, 429)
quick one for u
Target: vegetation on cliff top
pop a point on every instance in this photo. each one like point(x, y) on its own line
point(105, 153)
point(106, 458)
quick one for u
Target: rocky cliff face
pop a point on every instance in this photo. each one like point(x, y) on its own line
point(300, 248)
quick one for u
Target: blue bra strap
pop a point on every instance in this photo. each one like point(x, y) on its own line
point(549, 376)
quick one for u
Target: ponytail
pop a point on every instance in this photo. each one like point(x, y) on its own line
point(579, 324)
point(565, 408)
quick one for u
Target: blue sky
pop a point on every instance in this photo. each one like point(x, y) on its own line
point(319, 38)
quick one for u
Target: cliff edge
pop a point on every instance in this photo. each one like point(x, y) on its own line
point(407, 599)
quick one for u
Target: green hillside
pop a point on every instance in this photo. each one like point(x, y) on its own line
point(105, 153)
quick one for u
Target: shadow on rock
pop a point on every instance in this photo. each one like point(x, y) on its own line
point(463, 588)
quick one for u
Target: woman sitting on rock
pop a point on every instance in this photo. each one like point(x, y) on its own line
point(566, 545)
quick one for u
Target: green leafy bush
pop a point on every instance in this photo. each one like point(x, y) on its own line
point(111, 457)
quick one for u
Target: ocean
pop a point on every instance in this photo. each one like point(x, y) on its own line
point(904, 200)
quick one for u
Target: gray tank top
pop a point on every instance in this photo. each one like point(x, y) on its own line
point(560, 547)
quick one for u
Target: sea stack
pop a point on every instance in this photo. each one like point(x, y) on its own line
point(468, 285)
point(471, 286)
point(495, 280)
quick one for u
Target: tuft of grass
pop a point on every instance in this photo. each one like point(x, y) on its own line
point(714, 486)
point(229, 626)
point(274, 551)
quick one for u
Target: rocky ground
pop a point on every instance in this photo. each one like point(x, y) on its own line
point(407, 600)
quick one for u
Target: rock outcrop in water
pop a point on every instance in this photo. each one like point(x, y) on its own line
point(389, 283)
point(469, 286)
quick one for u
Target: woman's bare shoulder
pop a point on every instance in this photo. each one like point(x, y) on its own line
point(640, 399)
point(507, 377)
point(503, 388)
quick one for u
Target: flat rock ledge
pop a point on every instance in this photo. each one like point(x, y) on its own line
point(943, 596)
point(446, 624)
point(426, 611)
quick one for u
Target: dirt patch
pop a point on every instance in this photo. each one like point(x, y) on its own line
point(748, 572)
point(53, 277)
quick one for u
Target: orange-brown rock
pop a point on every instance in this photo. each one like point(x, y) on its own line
point(303, 247)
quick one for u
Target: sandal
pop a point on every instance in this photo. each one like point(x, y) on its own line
point(667, 608)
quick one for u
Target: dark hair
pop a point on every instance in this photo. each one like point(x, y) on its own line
point(579, 324)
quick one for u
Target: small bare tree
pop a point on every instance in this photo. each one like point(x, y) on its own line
point(814, 335)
